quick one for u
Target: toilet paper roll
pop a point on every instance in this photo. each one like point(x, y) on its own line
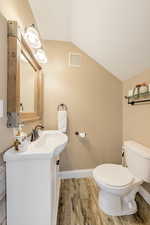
point(82, 134)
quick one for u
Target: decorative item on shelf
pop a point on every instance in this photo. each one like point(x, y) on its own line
point(32, 37)
point(140, 89)
point(144, 89)
point(139, 94)
point(130, 93)
point(136, 91)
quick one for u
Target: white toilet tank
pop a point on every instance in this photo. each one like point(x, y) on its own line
point(138, 160)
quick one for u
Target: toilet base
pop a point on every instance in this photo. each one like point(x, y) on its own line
point(126, 211)
point(115, 205)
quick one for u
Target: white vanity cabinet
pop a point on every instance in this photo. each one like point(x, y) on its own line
point(33, 183)
point(32, 192)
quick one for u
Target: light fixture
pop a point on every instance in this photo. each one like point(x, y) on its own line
point(31, 35)
point(41, 56)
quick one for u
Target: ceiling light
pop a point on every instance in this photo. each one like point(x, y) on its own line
point(31, 35)
point(41, 56)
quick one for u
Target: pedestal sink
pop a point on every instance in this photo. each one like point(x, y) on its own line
point(32, 181)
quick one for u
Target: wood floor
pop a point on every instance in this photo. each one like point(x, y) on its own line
point(78, 206)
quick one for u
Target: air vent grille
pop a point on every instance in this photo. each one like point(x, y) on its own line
point(74, 59)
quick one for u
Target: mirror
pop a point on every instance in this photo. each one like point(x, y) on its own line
point(28, 85)
point(25, 80)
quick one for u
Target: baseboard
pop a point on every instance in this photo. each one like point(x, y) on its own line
point(145, 194)
point(75, 174)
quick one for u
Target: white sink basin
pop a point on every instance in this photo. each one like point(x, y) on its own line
point(50, 143)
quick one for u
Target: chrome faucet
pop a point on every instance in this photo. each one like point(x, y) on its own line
point(35, 134)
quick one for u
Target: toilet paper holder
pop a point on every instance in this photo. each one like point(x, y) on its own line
point(61, 107)
point(81, 134)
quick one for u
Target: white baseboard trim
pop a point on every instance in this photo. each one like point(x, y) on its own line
point(145, 194)
point(75, 174)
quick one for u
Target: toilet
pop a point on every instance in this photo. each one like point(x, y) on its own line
point(119, 185)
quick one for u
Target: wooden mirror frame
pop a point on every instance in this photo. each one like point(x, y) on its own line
point(16, 46)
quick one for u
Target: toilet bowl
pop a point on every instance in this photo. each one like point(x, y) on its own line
point(118, 188)
point(119, 185)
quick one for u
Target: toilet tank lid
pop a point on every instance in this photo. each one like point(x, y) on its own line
point(139, 149)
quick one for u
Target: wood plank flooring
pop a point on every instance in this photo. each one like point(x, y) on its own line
point(78, 206)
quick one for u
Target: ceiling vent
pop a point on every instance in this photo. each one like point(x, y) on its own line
point(74, 59)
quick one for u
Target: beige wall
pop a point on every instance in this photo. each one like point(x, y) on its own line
point(94, 100)
point(11, 10)
point(92, 94)
point(136, 119)
point(18, 10)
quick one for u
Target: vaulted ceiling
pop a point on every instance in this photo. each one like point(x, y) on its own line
point(116, 33)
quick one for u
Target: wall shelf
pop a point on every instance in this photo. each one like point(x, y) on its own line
point(137, 99)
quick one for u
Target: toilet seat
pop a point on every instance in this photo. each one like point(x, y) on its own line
point(113, 175)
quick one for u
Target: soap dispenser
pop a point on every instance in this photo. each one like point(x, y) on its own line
point(20, 139)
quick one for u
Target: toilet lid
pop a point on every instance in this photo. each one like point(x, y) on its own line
point(113, 174)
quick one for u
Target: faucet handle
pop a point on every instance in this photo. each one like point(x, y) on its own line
point(39, 126)
point(32, 135)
